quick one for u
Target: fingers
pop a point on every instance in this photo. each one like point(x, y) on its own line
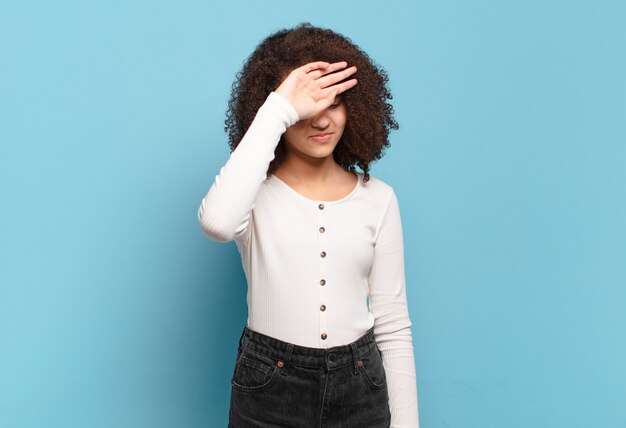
point(347, 85)
point(315, 74)
point(336, 77)
point(317, 69)
point(332, 91)
point(326, 84)
point(314, 65)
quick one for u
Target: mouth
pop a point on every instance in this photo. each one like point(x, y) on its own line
point(322, 137)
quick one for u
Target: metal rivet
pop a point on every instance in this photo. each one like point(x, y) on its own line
point(323, 254)
point(321, 206)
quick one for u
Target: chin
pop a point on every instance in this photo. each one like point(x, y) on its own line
point(319, 155)
point(317, 151)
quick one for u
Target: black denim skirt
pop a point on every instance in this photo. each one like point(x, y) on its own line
point(279, 384)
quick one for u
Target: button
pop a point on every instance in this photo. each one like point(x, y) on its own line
point(323, 308)
point(321, 206)
point(322, 229)
point(324, 336)
point(331, 357)
point(323, 254)
point(322, 281)
point(280, 364)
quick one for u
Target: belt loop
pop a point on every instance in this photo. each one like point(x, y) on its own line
point(287, 357)
point(242, 333)
point(354, 357)
point(288, 352)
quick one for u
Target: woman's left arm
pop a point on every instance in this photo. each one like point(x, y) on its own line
point(392, 327)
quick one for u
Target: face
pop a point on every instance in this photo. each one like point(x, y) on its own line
point(299, 137)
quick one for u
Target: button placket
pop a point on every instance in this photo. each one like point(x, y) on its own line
point(322, 262)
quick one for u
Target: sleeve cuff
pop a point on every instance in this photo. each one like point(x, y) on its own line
point(286, 107)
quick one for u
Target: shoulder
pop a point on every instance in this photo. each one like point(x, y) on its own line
point(380, 199)
point(377, 189)
point(384, 202)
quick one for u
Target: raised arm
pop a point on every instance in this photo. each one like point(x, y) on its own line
point(224, 213)
point(392, 326)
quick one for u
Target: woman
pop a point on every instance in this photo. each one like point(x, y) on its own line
point(317, 239)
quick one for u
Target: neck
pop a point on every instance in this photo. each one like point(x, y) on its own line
point(308, 168)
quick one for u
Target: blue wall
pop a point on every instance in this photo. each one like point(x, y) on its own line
point(115, 311)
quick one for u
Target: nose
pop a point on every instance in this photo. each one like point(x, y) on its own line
point(321, 121)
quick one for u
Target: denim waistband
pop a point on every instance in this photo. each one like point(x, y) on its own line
point(304, 356)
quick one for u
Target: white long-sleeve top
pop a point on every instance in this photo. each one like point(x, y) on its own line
point(299, 254)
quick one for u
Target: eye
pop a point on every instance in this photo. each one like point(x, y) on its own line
point(334, 105)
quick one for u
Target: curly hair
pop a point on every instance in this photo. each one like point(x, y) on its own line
point(369, 117)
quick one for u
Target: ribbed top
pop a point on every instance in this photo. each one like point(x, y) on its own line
point(312, 265)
